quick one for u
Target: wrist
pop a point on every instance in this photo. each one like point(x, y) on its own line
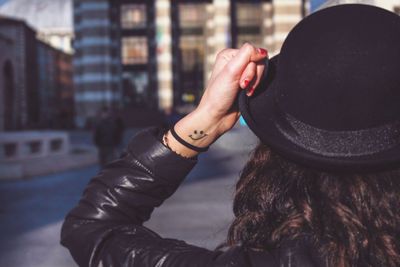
point(197, 129)
point(209, 113)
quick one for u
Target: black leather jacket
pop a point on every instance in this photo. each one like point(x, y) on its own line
point(105, 228)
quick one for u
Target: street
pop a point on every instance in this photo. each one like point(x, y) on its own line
point(32, 210)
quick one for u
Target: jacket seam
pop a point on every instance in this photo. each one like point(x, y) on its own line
point(136, 162)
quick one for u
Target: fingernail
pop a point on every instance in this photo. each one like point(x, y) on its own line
point(263, 51)
point(246, 83)
point(250, 91)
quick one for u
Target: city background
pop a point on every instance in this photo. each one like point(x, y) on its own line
point(65, 65)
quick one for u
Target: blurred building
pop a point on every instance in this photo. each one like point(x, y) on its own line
point(96, 61)
point(33, 77)
point(52, 19)
point(23, 101)
point(65, 91)
point(149, 55)
point(7, 84)
point(46, 83)
point(56, 99)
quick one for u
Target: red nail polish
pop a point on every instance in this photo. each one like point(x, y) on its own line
point(263, 52)
point(246, 82)
point(251, 91)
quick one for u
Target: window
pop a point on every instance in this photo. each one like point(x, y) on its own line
point(135, 87)
point(249, 14)
point(249, 22)
point(56, 145)
point(192, 46)
point(9, 150)
point(133, 16)
point(34, 147)
point(192, 15)
point(192, 52)
point(134, 50)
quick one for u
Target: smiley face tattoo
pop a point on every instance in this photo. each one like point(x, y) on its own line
point(197, 135)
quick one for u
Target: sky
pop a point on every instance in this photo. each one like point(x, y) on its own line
point(314, 4)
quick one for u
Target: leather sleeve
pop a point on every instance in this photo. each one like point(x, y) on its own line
point(105, 228)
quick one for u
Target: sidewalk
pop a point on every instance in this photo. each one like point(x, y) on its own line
point(28, 168)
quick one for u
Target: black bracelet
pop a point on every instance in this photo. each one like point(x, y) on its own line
point(186, 144)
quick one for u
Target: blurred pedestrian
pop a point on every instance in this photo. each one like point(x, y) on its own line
point(321, 189)
point(106, 136)
point(120, 130)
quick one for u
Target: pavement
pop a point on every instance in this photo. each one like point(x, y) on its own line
point(199, 212)
point(78, 157)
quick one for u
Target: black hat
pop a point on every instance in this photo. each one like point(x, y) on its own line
point(331, 99)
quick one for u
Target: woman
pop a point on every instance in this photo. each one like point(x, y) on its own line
point(322, 187)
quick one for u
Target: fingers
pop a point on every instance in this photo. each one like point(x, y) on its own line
point(227, 54)
point(248, 75)
point(251, 77)
point(246, 54)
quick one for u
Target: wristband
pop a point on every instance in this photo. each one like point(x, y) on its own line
point(186, 144)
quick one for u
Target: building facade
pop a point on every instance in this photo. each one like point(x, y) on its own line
point(24, 100)
point(33, 79)
point(65, 91)
point(51, 19)
point(55, 83)
point(46, 83)
point(97, 67)
point(150, 55)
point(7, 84)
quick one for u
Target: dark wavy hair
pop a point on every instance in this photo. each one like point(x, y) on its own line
point(354, 218)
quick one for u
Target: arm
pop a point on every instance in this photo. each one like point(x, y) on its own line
point(106, 226)
point(105, 229)
point(217, 113)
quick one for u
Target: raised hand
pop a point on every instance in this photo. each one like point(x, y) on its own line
point(217, 113)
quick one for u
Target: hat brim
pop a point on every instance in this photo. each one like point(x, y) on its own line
point(259, 113)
